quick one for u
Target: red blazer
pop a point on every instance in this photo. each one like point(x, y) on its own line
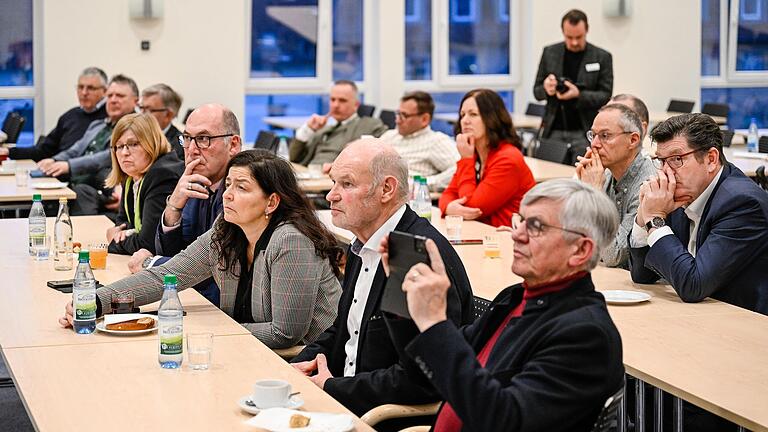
point(505, 180)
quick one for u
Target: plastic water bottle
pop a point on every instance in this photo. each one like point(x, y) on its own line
point(84, 296)
point(170, 317)
point(422, 199)
point(752, 136)
point(413, 185)
point(282, 149)
point(62, 238)
point(36, 225)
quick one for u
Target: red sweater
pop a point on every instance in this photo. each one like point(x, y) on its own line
point(506, 178)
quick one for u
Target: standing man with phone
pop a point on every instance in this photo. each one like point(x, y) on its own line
point(355, 360)
point(576, 79)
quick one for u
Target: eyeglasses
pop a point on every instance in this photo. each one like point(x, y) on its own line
point(201, 141)
point(674, 162)
point(535, 227)
point(131, 146)
point(604, 136)
point(406, 116)
point(146, 109)
point(88, 88)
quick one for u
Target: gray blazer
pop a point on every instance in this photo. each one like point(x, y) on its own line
point(322, 149)
point(295, 293)
point(81, 163)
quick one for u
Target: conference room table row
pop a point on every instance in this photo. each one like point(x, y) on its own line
point(68, 381)
point(16, 198)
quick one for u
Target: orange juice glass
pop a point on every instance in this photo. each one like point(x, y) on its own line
point(98, 256)
point(491, 246)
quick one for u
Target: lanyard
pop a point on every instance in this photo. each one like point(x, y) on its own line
point(137, 210)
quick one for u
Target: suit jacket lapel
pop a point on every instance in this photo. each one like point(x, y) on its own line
point(699, 237)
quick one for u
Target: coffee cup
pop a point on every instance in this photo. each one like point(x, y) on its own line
point(271, 393)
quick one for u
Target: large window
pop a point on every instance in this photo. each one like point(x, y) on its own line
point(348, 40)
point(478, 38)
point(16, 64)
point(418, 40)
point(710, 37)
point(752, 36)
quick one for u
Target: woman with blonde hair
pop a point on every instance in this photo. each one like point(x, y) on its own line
point(146, 168)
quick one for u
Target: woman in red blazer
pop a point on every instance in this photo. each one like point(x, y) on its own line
point(491, 176)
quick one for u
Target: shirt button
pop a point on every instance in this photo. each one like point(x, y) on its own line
point(366, 269)
point(350, 363)
point(539, 302)
point(354, 300)
point(355, 331)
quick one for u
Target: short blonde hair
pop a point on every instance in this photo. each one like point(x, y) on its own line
point(150, 137)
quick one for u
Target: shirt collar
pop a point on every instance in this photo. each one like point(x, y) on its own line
point(349, 119)
point(696, 208)
point(165, 131)
point(97, 107)
point(418, 133)
point(634, 169)
point(373, 243)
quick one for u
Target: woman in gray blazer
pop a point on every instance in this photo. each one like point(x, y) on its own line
point(276, 264)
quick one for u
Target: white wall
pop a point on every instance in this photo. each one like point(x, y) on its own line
point(656, 51)
point(198, 48)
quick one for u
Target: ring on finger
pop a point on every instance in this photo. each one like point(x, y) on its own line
point(189, 185)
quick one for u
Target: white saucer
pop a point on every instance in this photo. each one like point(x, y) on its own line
point(293, 403)
point(48, 185)
point(102, 327)
point(625, 296)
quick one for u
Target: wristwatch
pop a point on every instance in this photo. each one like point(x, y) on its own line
point(656, 222)
point(147, 261)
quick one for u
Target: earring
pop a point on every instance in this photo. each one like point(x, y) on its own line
point(266, 215)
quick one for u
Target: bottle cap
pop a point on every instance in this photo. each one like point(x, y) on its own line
point(37, 197)
point(84, 255)
point(169, 279)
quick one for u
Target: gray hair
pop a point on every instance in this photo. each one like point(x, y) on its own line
point(584, 209)
point(629, 121)
point(124, 80)
point(170, 98)
point(389, 163)
point(94, 71)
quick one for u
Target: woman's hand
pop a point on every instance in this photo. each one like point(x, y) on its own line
point(457, 207)
point(66, 320)
point(465, 143)
point(114, 232)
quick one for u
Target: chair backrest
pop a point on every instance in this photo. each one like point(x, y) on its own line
point(762, 144)
point(608, 419)
point(479, 306)
point(715, 109)
point(727, 137)
point(12, 126)
point(365, 110)
point(388, 118)
point(760, 178)
point(552, 150)
point(536, 110)
point(680, 106)
point(267, 141)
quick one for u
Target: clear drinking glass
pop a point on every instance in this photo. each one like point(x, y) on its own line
point(199, 349)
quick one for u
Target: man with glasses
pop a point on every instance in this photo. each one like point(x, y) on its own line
point(87, 163)
point(615, 164)
point(210, 139)
point(91, 85)
point(701, 223)
point(164, 103)
point(428, 153)
point(317, 142)
point(545, 355)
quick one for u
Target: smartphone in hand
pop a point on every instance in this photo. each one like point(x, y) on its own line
point(405, 251)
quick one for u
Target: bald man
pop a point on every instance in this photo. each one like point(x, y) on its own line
point(355, 360)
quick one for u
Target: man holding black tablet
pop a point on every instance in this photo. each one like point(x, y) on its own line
point(355, 360)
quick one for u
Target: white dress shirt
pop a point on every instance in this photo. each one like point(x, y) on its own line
point(370, 256)
point(641, 238)
point(428, 153)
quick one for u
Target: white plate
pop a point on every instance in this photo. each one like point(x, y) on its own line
point(625, 296)
point(277, 420)
point(294, 402)
point(8, 172)
point(101, 326)
point(47, 185)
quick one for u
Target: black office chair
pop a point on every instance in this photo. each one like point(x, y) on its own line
point(388, 118)
point(762, 144)
point(760, 178)
point(727, 137)
point(536, 110)
point(267, 141)
point(12, 126)
point(365, 110)
point(186, 116)
point(680, 106)
point(608, 419)
point(715, 109)
point(553, 151)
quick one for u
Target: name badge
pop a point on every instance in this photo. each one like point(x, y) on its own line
point(592, 67)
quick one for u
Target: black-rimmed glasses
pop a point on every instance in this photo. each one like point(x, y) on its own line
point(146, 109)
point(201, 141)
point(131, 146)
point(405, 115)
point(535, 227)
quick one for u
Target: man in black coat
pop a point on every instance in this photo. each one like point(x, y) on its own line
point(576, 79)
point(164, 103)
point(546, 355)
point(356, 360)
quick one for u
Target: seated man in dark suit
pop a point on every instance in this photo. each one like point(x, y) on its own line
point(164, 103)
point(701, 224)
point(320, 143)
point(197, 200)
point(355, 360)
point(91, 86)
point(546, 355)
